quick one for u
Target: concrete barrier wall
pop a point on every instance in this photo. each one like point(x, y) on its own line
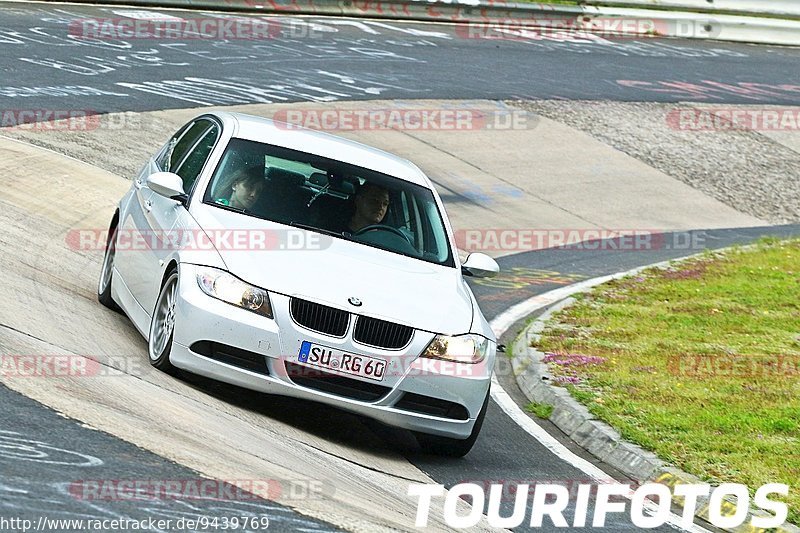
point(753, 7)
point(550, 17)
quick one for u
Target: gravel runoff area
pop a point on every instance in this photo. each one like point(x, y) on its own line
point(117, 142)
point(745, 169)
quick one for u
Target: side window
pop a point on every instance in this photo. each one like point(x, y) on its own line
point(196, 156)
point(163, 159)
point(180, 143)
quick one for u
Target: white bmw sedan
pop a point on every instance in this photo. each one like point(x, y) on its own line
point(298, 263)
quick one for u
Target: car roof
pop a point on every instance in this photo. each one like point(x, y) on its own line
point(264, 130)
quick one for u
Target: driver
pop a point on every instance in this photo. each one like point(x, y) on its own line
point(371, 203)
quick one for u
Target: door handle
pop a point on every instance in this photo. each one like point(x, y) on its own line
point(138, 183)
point(148, 206)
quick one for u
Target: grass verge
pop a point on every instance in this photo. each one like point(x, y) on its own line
point(541, 410)
point(699, 363)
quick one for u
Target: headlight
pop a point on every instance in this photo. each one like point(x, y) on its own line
point(460, 348)
point(228, 288)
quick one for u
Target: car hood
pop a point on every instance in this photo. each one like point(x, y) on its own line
point(330, 271)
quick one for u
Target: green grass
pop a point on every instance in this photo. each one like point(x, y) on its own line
point(699, 363)
point(539, 409)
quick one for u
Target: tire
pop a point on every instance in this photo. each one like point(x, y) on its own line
point(448, 447)
point(162, 325)
point(106, 272)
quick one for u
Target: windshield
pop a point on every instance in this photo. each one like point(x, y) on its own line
point(328, 196)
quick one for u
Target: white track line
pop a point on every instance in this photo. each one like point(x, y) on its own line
point(510, 407)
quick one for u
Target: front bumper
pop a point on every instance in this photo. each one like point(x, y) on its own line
point(200, 318)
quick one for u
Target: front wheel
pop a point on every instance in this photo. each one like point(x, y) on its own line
point(162, 325)
point(449, 447)
point(104, 285)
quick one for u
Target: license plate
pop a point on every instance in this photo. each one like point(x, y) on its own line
point(347, 363)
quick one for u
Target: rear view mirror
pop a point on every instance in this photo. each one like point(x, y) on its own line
point(480, 265)
point(168, 185)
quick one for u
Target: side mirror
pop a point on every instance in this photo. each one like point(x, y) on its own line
point(168, 185)
point(480, 265)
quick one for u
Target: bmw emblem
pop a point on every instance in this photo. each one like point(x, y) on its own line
point(354, 301)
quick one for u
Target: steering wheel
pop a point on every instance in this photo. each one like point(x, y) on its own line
point(383, 227)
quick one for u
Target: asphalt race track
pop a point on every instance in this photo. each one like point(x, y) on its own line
point(49, 463)
point(44, 67)
point(45, 61)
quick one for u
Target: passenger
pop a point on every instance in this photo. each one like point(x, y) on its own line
point(247, 185)
point(371, 202)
